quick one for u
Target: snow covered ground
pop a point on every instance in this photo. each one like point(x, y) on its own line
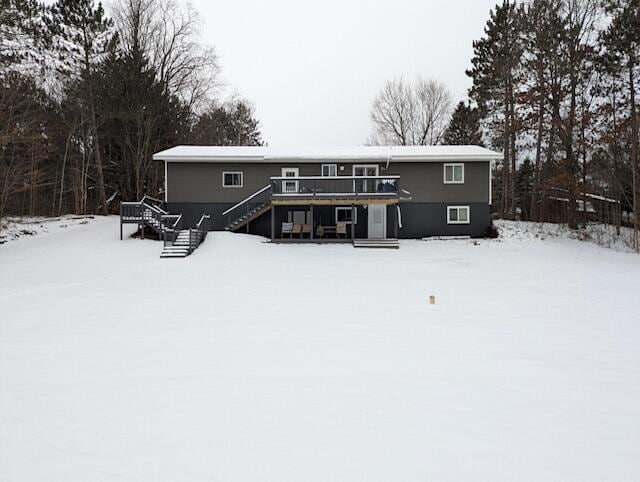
point(12, 229)
point(256, 362)
point(603, 235)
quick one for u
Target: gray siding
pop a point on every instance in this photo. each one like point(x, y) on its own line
point(196, 188)
point(425, 182)
point(202, 182)
point(430, 219)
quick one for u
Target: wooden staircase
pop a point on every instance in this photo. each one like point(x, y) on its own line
point(179, 248)
point(248, 209)
point(148, 213)
point(248, 217)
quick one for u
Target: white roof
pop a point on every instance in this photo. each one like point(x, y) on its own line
point(275, 154)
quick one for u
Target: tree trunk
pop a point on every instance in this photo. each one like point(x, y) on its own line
point(512, 140)
point(570, 154)
point(505, 162)
point(536, 171)
point(634, 151)
point(102, 197)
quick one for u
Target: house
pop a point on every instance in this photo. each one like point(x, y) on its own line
point(332, 194)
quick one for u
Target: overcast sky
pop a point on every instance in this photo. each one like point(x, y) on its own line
point(313, 68)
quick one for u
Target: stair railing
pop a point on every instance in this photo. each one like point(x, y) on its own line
point(171, 225)
point(152, 201)
point(247, 205)
point(199, 234)
point(155, 213)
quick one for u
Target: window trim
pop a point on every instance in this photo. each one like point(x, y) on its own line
point(335, 166)
point(451, 208)
point(224, 173)
point(296, 172)
point(453, 165)
point(343, 208)
point(355, 166)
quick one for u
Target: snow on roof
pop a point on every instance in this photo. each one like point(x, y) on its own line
point(381, 153)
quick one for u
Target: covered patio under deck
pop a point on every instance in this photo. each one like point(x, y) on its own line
point(334, 209)
point(333, 220)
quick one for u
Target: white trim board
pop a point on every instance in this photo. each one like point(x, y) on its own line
point(233, 186)
point(449, 221)
point(453, 165)
point(384, 154)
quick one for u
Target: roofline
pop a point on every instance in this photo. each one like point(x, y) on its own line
point(313, 159)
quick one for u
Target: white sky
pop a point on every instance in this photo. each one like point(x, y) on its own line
point(313, 68)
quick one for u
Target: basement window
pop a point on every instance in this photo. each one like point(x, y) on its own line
point(454, 173)
point(232, 179)
point(457, 214)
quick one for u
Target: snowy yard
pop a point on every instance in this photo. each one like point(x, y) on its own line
point(255, 362)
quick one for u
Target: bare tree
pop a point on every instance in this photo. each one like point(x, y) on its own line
point(162, 36)
point(411, 113)
point(166, 34)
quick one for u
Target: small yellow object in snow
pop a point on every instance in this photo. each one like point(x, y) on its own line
point(432, 299)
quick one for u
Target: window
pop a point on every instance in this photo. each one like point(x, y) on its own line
point(454, 173)
point(290, 186)
point(232, 179)
point(330, 170)
point(343, 215)
point(457, 214)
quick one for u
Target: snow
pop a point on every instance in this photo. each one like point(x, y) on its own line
point(381, 153)
point(603, 235)
point(12, 229)
point(250, 361)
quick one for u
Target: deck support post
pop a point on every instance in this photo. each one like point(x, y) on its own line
point(142, 228)
point(273, 222)
point(312, 223)
point(395, 226)
point(353, 222)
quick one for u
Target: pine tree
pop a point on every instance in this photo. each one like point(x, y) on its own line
point(82, 36)
point(230, 124)
point(496, 62)
point(622, 43)
point(542, 34)
point(464, 127)
point(524, 188)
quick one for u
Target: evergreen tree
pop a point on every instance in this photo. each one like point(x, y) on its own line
point(524, 188)
point(82, 35)
point(621, 42)
point(464, 127)
point(496, 62)
point(542, 36)
point(231, 124)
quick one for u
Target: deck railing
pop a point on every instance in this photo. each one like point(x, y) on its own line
point(332, 186)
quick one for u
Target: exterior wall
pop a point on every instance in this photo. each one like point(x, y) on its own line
point(196, 188)
point(425, 182)
point(201, 182)
point(430, 219)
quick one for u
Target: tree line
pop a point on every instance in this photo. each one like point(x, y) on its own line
point(555, 89)
point(87, 97)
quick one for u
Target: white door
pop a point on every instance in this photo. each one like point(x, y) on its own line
point(365, 185)
point(377, 221)
point(290, 186)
